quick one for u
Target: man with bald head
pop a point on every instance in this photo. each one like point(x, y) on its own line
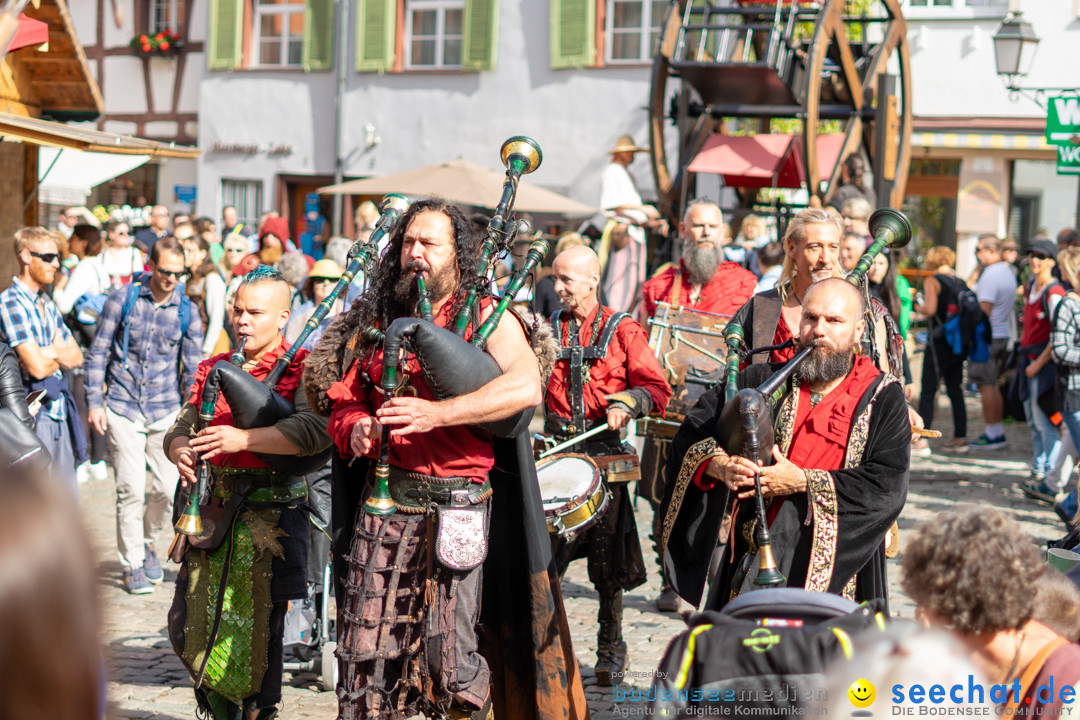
point(604, 375)
point(834, 482)
point(256, 560)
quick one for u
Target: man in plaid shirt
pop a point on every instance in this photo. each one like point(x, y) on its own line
point(137, 370)
point(31, 324)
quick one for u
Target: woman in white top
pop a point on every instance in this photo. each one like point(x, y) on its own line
point(206, 289)
point(101, 274)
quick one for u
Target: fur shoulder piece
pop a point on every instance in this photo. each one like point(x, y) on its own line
point(542, 338)
point(328, 362)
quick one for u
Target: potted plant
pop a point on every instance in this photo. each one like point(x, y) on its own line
point(166, 42)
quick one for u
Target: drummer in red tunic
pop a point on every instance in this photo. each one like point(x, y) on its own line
point(605, 374)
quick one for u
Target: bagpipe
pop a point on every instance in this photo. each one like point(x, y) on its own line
point(451, 365)
point(745, 425)
point(256, 404)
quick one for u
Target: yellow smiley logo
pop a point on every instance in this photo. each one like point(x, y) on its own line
point(862, 693)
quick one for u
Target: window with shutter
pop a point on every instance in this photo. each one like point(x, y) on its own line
point(318, 53)
point(434, 33)
point(573, 33)
point(166, 16)
point(632, 29)
point(278, 37)
point(375, 28)
point(225, 42)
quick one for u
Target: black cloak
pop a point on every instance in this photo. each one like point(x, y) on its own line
point(829, 539)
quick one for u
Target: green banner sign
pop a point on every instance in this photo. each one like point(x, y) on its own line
point(1062, 119)
point(1068, 159)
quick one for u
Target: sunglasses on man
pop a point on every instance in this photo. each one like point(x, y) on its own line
point(47, 258)
point(175, 274)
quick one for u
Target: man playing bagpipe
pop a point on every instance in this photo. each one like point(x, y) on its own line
point(605, 375)
point(838, 478)
point(463, 528)
point(237, 577)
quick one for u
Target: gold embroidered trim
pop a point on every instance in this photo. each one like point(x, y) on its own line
point(849, 589)
point(699, 453)
point(821, 493)
point(822, 503)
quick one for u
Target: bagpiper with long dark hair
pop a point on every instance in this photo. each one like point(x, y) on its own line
point(461, 503)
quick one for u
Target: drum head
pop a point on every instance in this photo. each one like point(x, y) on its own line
point(565, 477)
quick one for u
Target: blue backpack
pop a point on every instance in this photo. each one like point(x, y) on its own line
point(967, 331)
point(131, 295)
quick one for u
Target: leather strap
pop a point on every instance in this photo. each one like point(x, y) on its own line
point(1028, 676)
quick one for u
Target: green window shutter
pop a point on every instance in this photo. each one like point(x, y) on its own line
point(225, 44)
point(573, 33)
point(376, 26)
point(318, 51)
point(481, 35)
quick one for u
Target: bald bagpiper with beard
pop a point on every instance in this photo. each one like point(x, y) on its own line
point(702, 281)
point(839, 477)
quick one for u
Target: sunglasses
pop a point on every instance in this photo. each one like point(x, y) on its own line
point(1040, 256)
point(236, 250)
point(325, 280)
point(175, 274)
point(47, 258)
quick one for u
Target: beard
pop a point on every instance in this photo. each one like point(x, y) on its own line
point(824, 365)
point(701, 261)
point(439, 285)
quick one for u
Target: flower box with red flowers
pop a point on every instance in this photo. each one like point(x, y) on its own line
point(162, 43)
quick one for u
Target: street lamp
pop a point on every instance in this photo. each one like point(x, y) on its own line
point(1015, 42)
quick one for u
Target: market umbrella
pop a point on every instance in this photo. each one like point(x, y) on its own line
point(462, 182)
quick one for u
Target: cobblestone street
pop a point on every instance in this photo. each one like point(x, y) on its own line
point(147, 680)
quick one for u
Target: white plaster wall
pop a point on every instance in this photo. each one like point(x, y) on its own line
point(162, 77)
point(422, 118)
point(173, 172)
point(84, 20)
point(952, 62)
point(194, 67)
point(1057, 208)
point(123, 88)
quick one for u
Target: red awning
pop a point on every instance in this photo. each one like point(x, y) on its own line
point(753, 161)
point(766, 160)
point(30, 32)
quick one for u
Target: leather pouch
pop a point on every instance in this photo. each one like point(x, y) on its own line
point(461, 537)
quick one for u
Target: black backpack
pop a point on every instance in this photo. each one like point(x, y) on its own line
point(967, 330)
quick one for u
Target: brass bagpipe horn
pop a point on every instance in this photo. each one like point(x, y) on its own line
point(451, 365)
point(745, 425)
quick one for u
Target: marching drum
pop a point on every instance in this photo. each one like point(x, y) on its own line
point(573, 493)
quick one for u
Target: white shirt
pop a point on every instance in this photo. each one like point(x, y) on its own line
point(617, 188)
point(997, 286)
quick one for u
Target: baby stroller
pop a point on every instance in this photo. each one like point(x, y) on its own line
point(309, 624)
point(766, 650)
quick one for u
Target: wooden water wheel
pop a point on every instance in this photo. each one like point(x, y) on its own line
point(768, 59)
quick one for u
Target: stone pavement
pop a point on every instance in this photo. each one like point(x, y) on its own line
point(148, 681)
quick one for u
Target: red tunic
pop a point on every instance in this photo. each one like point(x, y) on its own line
point(783, 334)
point(821, 433)
point(223, 413)
point(730, 287)
point(459, 451)
point(629, 363)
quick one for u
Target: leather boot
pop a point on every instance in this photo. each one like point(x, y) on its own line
point(612, 658)
point(668, 601)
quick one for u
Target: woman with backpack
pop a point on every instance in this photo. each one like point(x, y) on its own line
point(1065, 352)
point(1034, 370)
point(939, 303)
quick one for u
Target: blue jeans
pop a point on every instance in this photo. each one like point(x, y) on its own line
point(1045, 439)
point(1071, 417)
